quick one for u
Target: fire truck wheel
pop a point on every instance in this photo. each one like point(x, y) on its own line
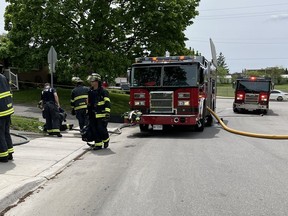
point(143, 127)
point(209, 120)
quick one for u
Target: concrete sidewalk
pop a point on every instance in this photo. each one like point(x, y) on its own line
point(38, 160)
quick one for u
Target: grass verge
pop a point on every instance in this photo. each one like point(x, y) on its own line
point(119, 101)
point(21, 123)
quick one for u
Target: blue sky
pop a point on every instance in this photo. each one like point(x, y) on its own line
point(250, 34)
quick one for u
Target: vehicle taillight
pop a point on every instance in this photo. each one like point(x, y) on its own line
point(263, 97)
point(240, 96)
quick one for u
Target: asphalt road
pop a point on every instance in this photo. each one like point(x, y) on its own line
point(177, 173)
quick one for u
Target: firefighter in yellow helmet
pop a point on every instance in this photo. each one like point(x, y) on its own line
point(79, 97)
point(6, 110)
point(98, 111)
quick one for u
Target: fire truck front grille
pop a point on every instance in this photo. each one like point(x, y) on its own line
point(161, 102)
point(251, 98)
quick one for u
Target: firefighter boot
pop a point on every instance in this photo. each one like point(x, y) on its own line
point(59, 134)
point(106, 144)
point(4, 159)
point(10, 156)
point(97, 146)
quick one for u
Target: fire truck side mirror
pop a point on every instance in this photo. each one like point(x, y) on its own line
point(233, 84)
point(201, 76)
point(201, 88)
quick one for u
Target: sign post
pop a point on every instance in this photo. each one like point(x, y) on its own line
point(52, 59)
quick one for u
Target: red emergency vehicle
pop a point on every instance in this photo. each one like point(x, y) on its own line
point(252, 94)
point(173, 91)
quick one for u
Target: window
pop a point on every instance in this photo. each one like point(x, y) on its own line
point(146, 76)
point(180, 75)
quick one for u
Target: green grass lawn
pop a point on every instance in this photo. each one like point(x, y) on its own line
point(119, 102)
point(31, 97)
point(25, 124)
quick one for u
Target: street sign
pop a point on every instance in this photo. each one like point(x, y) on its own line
point(52, 56)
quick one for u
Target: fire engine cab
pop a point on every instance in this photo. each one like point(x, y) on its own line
point(173, 91)
point(252, 94)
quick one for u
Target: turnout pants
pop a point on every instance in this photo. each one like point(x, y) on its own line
point(52, 115)
point(99, 129)
point(82, 117)
point(6, 145)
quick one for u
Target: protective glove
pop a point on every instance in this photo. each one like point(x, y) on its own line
point(107, 117)
point(73, 112)
point(40, 105)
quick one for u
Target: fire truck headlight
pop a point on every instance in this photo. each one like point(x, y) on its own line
point(139, 95)
point(183, 103)
point(184, 95)
point(139, 103)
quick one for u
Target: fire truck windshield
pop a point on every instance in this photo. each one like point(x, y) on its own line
point(254, 86)
point(173, 75)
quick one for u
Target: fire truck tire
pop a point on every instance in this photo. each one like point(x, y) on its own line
point(143, 127)
point(235, 110)
point(209, 120)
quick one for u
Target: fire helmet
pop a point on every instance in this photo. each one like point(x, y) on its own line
point(94, 77)
point(76, 80)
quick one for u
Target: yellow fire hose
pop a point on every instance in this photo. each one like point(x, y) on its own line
point(265, 136)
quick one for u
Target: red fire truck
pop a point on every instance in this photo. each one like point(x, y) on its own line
point(173, 91)
point(252, 94)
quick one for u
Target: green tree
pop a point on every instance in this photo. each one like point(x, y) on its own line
point(222, 63)
point(222, 69)
point(95, 35)
point(6, 48)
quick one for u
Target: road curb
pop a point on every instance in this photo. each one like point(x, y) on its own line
point(59, 166)
point(14, 193)
point(10, 195)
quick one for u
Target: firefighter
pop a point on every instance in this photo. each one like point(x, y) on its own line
point(51, 111)
point(79, 97)
point(63, 127)
point(98, 111)
point(6, 110)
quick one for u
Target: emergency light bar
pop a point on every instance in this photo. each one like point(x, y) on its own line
point(169, 59)
point(253, 78)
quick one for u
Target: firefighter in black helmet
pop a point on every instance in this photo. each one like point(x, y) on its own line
point(6, 110)
point(79, 97)
point(51, 111)
point(98, 111)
